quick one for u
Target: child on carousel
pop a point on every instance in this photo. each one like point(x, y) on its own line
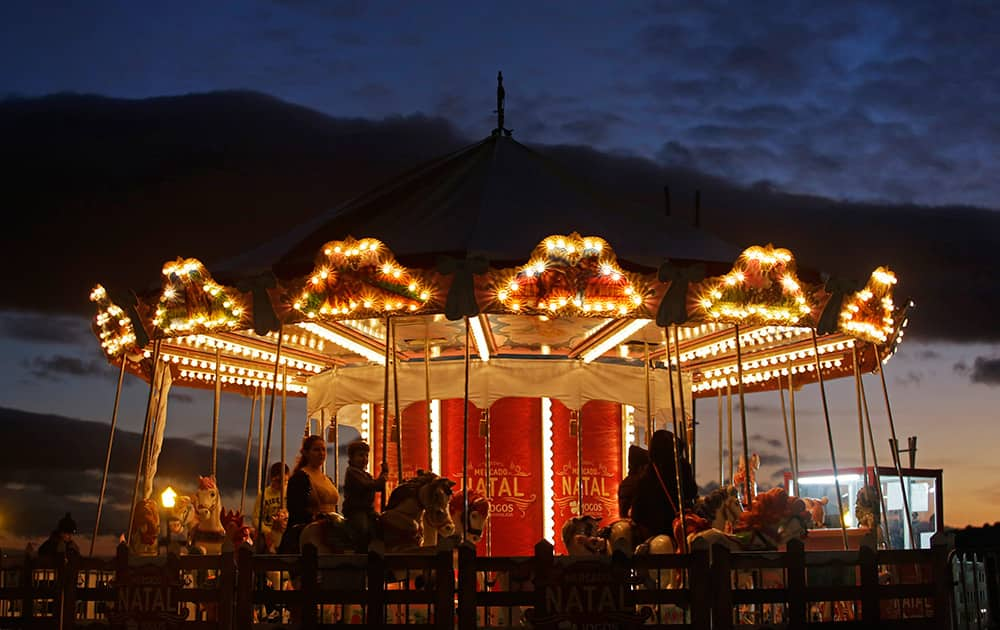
point(359, 494)
point(275, 514)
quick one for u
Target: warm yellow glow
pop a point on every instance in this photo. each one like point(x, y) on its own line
point(480, 337)
point(168, 497)
point(191, 301)
point(614, 339)
point(548, 489)
point(435, 437)
point(571, 275)
point(344, 342)
point(871, 319)
point(760, 289)
point(333, 290)
point(113, 325)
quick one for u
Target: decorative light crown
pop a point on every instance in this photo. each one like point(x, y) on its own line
point(761, 288)
point(112, 325)
point(192, 302)
point(572, 275)
point(868, 314)
point(360, 278)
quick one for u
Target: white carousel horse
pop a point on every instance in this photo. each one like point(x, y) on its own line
point(413, 505)
point(582, 537)
point(208, 534)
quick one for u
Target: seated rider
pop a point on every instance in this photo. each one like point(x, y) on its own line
point(656, 503)
point(311, 493)
point(61, 539)
point(359, 494)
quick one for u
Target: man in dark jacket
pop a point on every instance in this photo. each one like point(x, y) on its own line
point(61, 540)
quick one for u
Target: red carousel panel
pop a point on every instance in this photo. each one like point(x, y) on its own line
point(602, 463)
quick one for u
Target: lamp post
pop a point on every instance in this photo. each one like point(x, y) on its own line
point(167, 501)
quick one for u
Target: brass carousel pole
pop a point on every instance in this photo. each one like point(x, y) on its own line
point(829, 437)
point(145, 437)
point(729, 422)
point(399, 418)
point(688, 428)
point(579, 460)
point(385, 406)
point(262, 394)
point(895, 456)
point(465, 431)
point(107, 458)
point(322, 432)
point(215, 405)
point(743, 415)
point(649, 403)
point(682, 544)
point(722, 476)
point(877, 476)
point(284, 422)
point(795, 431)
point(270, 426)
point(788, 437)
point(246, 461)
point(335, 430)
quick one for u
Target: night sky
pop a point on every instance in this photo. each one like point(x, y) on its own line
point(856, 133)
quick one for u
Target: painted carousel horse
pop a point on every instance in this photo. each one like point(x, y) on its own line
point(582, 537)
point(417, 503)
point(740, 477)
point(472, 527)
point(181, 520)
point(208, 533)
point(236, 530)
point(144, 540)
point(816, 509)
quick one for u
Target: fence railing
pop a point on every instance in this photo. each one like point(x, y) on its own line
point(707, 588)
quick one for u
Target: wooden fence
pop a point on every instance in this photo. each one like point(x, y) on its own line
point(704, 589)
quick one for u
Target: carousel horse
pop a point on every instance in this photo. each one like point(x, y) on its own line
point(145, 528)
point(582, 537)
point(470, 528)
point(775, 518)
point(329, 533)
point(417, 503)
point(181, 520)
point(236, 530)
point(740, 477)
point(208, 533)
point(816, 509)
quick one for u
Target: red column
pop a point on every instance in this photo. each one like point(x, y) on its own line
point(602, 463)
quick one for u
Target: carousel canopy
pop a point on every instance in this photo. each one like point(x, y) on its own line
point(539, 264)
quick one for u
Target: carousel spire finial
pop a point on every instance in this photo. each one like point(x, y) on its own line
point(501, 95)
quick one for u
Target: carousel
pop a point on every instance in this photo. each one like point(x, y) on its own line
point(491, 318)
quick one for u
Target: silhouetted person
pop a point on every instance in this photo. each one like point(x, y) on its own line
point(61, 539)
point(656, 503)
point(638, 459)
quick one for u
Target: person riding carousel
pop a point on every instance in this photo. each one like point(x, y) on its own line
point(311, 494)
point(61, 539)
point(359, 494)
point(656, 503)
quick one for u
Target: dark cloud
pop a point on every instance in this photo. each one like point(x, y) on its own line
point(986, 371)
point(220, 155)
point(55, 367)
point(43, 328)
point(928, 355)
point(339, 9)
point(912, 378)
point(50, 486)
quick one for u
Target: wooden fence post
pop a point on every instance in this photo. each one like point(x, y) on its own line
point(309, 586)
point(871, 602)
point(722, 580)
point(543, 570)
point(227, 586)
point(375, 607)
point(795, 556)
point(444, 604)
point(121, 577)
point(243, 617)
point(699, 583)
point(67, 588)
point(466, 586)
point(944, 587)
point(27, 601)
